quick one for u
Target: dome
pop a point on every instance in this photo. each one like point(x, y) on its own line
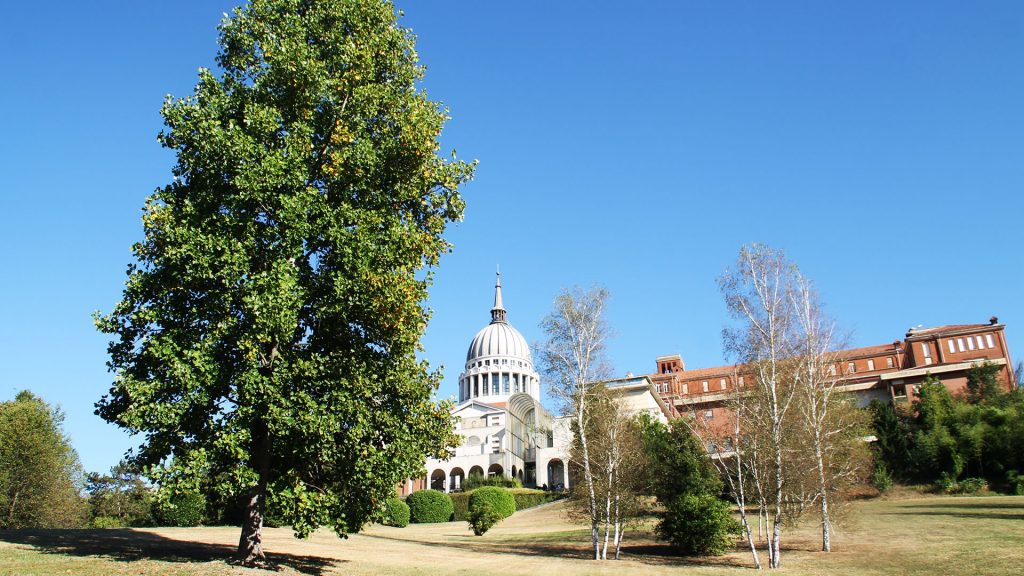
point(498, 339)
point(498, 363)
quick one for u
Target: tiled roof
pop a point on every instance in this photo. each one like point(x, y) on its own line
point(943, 329)
point(867, 351)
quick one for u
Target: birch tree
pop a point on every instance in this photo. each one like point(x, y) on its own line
point(757, 290)
point(830, 423)
point(573, 359)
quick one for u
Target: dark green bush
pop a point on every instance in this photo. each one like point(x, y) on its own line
point(429, 506)
point(460, 503)
point(482, 518)
point(699, 525)
point(106, 522)
point(396, 513)
point(185, 510)
point(965, 486)
point(881, 478)
point(527, 498)
point(500, 501)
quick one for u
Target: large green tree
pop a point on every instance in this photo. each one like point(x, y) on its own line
point(40, 476)
point(268, 331)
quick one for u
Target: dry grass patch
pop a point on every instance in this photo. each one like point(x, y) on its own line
point(926, 536)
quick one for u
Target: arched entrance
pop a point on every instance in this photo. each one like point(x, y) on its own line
point(556, 474)
point(455, 479)
point(495, 470)
point(437, 480)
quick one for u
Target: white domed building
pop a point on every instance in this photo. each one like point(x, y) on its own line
point(505, 430)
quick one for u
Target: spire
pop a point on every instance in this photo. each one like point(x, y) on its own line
point(498, 312)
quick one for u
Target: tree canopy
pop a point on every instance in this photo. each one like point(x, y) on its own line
point(268, 330)
point(40, 476)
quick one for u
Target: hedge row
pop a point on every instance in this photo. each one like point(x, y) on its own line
point(460, 501)
point(527, 498)
point(524, 498)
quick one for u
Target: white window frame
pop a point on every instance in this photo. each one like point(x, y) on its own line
point(960, 345)
point(981, 343)
point(991, 342)
point(970, 344)
point(704, 385)
point(871, 365)
point(952, 346)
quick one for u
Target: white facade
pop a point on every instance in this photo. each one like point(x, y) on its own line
point(504, 428)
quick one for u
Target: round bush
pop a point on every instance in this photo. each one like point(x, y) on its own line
point(429, 506)
point(500, 500)
point(396, 513)
point(181, 510)
point(699, 525)
point(482, 518)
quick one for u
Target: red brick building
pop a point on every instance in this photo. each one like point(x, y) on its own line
point(886, 371)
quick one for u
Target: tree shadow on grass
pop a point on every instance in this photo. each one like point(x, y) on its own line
point(978, 515)
point(128, 545)
point(646, 553)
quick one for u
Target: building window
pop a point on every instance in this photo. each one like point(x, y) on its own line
point(952, 347)
point(960, 344)
point(686, 388)
point(741, 381)
point(709, 414)
point(888, 362)
point(988, 338)
point(832, 370)
point(899, 391)
point(515, 382)
point(851, 367)
point(871, 365)
point(495, 385)
point(970, 343)
point(926, 351)
point(704, 385)
point(721, 383)
point(981, 344)
point(504, 380)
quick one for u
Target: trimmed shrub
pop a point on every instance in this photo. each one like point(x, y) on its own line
point(396, 513)
point(185, 510)
point(482, 518)
point(699, 525)
point(500, 500)
point(527, 498)
point(429, 506)
point(488, 506)
point(460, 503)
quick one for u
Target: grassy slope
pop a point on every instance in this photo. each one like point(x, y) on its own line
point(926, 536)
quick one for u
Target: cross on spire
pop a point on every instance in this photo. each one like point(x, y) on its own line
point(498, 312)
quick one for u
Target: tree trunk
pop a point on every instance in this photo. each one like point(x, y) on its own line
point(826, 523)
point(250, 544)
point(588, 477)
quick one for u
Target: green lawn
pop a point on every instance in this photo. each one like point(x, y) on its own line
point(924, 535)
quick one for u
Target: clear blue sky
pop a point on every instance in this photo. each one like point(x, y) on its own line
point(880, 144)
